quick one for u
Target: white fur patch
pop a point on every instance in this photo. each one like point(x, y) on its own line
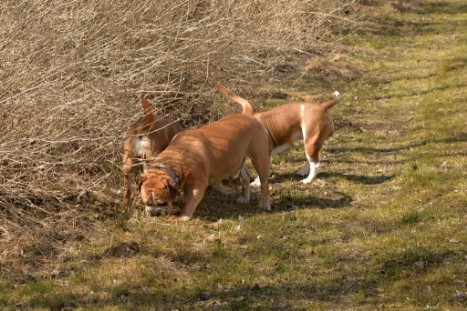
point(140, 144)
point(313, 171)
point(256, 183)
point(312, 168)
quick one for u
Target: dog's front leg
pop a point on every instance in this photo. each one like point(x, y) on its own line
point(193, 196)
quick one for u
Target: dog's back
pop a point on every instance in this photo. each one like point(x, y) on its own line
point(223, 144)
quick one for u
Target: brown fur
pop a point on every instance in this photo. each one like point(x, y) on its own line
point(145, 138)
point(211, 153)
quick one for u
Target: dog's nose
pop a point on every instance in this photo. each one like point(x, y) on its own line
point(156, 211)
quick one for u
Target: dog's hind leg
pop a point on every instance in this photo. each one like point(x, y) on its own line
point(313, 144)
point(245, 181)
point(312, 155)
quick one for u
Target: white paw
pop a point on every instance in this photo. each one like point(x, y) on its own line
point(184, 218)
point(255, 184)
point(266, 207)
point(307, 180)
point(336, 95)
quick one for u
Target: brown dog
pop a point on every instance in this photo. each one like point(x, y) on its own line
point(211, 153)
point(145, 138)
point(295, 121)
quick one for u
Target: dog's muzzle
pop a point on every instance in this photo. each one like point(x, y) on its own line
point(157, 208)
point(153, 211)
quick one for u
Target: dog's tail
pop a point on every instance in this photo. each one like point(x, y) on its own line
point(247, 109)
point(332, 102)
point(149, 117)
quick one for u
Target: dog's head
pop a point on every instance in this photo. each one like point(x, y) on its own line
point(158, 191)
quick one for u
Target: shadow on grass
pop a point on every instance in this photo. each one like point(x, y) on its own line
point(442, 7)
point(279, 296)
point(459, 138)
point(290, 202)
point(401, 25)
point(361, 179)
point(318, 288)
point(423, 92)
point(215, 205)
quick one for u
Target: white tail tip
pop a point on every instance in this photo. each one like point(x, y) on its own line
point(336, 95)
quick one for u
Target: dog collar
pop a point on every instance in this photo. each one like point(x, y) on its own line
point(169, 171)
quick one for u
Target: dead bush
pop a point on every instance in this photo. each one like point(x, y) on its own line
point(72, 72)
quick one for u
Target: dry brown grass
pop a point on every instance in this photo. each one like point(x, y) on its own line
point(71, 73)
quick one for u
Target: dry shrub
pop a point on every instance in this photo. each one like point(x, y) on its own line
point(338, 67)
point(71, 73)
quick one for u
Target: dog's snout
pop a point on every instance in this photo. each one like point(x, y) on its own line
point(153, 201)
point(160, 210)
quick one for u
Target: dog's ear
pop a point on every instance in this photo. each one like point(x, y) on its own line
point(148, 114)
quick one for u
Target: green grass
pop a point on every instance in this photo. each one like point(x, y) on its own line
point(382, 227)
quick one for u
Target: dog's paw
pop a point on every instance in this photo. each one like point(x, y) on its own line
point(184, 218)
point(243, 200)
point(307, 180)
point(266, 207)
point(255, 184)
point(336, 95)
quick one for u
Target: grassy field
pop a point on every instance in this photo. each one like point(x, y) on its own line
point(382, 227)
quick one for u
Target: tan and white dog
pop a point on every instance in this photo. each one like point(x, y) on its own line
point(195, 158)
point(289, 123)
point(145, 138)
